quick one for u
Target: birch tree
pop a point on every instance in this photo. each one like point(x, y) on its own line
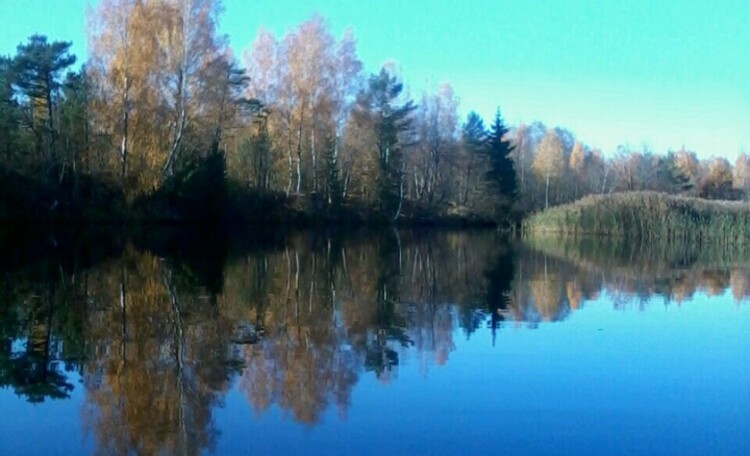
point(308, 80)
point(577, 167)
point(549, 162)
point(432, 164)
point(742, 174)
point(189, 48)
point(124, 104)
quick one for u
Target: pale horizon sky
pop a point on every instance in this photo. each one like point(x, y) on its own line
point(662, 73)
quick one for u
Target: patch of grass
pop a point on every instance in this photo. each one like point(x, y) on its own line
point(647, 216)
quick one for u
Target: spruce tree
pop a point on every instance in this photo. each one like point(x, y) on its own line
point(474, 134)
point(502, 173)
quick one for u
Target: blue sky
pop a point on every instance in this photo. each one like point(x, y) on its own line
point(664, 73)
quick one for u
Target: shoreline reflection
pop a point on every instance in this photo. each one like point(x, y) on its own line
point(160, 336)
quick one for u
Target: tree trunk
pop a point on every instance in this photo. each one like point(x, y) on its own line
point(179, 126)
point(299, 151)
point(123, 318)
point(125, 119)
point(314, 161)
point(400, 196)
point(289, 160)
point(50, 125)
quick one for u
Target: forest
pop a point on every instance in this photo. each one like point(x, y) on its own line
point(164, 122)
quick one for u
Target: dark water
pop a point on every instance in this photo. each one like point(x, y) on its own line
point(371, 343)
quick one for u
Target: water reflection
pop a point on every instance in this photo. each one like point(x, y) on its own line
point(158, 335)
point(633, 271)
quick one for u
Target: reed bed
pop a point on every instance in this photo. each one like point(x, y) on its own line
point(646, 216)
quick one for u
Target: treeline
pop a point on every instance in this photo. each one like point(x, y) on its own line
point(554, 167)
point(163, 110)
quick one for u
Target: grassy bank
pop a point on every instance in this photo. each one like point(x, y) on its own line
point(646, 216)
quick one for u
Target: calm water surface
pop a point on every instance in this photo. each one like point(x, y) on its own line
point(372, 343)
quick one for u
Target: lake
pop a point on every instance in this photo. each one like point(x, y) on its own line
point(373, 342)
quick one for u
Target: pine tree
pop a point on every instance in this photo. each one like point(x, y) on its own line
point(74, 120)
point(9, 114)
point(39, 65)
point(392, 124)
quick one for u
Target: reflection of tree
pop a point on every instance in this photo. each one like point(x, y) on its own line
point(499, 287)
point(32, 337)
point(331, 310)
point(543, 287)
point(157, 366)
point(547, 295)
point(301, 362)
point(158, 343)
point(574, 294)
point(715, 282)
point(390, 326)
point(740, 283)
point(34, 372)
